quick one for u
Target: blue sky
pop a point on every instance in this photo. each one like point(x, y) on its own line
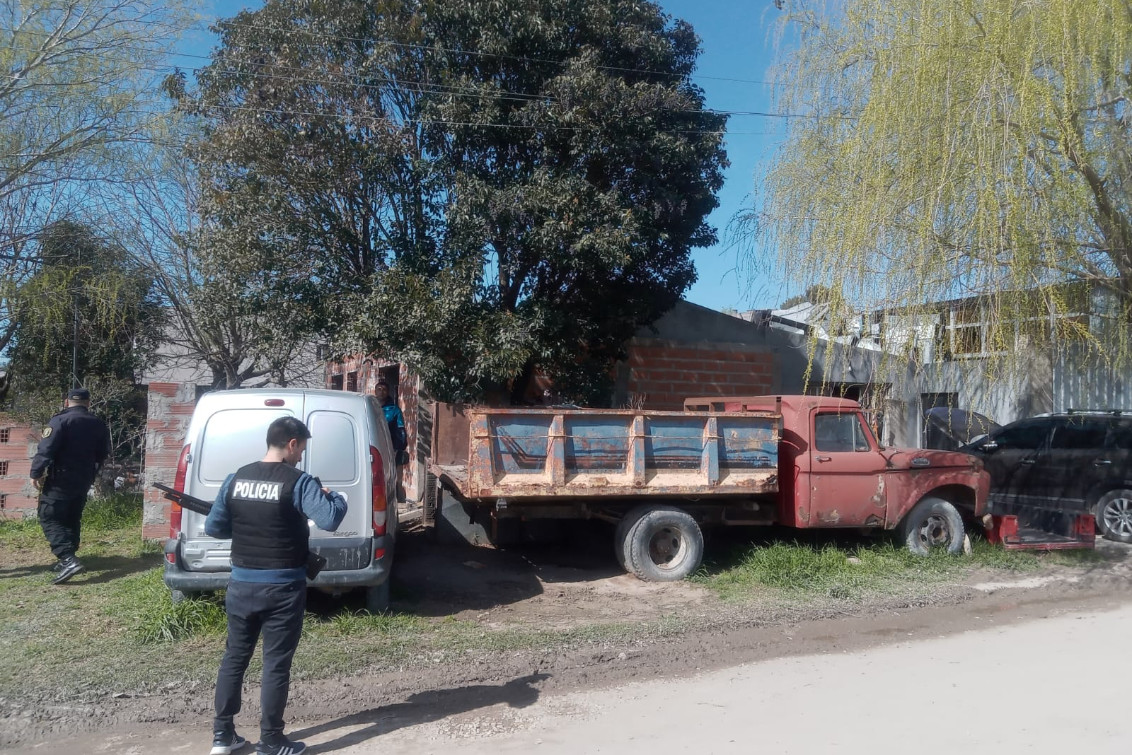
point(737, 50)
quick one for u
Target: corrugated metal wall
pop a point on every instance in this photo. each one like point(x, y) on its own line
point(1080, 383)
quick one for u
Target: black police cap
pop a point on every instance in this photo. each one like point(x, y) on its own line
point(78, 394)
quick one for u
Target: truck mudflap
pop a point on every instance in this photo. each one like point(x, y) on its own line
point(1041, 530)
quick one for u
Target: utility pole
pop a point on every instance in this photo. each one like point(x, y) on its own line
point(75, 344)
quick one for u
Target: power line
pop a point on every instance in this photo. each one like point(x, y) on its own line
point(207, 26)
point(444, 89)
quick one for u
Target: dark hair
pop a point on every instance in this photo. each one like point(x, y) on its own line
point(285, 429)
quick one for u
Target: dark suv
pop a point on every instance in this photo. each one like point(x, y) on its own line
point(1074, 462)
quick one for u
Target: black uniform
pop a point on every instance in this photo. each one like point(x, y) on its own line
point(74, 445)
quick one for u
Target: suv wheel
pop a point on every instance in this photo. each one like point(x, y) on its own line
point(1114, 515)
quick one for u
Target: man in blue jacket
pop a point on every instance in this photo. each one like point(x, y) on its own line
point(264, 508)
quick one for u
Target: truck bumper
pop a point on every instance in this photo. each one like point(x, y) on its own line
point(376, 572)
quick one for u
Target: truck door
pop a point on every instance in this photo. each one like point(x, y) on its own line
point(847, 473)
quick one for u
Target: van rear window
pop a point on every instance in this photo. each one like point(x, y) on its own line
point(332, 450)
point(233, 438)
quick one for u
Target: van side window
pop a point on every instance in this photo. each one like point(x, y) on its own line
point(332, 450)
point(235, 437)
point(839, 432)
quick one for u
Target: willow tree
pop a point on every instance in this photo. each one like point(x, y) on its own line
point(968, 148)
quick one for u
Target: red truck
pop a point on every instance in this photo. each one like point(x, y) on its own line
point(801, 461)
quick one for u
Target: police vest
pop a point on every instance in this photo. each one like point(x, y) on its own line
point(268, 532)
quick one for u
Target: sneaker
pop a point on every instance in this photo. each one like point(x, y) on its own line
point(67, 569)
point(286, 747)
point(225, 743)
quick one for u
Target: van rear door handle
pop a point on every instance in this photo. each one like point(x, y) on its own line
point(824, 458)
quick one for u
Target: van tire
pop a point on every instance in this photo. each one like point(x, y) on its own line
point(178, 596)
point(933, 524)
point(664, 545)
point(377, 598)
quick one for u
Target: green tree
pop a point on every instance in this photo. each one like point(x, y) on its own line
point(86, 317)
point(478, 189)
point(955, 149)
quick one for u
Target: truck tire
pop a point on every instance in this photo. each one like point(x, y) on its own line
point(377, 598)
point(933, 524)
point(664, 545)
point(621, 538)
point(1114, 515)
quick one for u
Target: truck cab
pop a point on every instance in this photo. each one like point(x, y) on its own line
point(834, 473)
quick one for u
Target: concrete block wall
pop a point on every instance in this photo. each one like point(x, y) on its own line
point(662, 373)
point(170, 409)
point(18, 498)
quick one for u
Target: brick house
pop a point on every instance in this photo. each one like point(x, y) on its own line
point(18, 497)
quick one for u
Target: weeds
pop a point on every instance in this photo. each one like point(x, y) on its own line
point(849, 572)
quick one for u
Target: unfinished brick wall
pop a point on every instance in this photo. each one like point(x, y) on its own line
point(663, 373)
point(360, 373)
point(18, 442)
point(170, 409)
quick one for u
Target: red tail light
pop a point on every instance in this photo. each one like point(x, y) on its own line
point(377, 492)
point(179, 486)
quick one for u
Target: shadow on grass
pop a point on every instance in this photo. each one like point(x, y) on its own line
point(102, 569)
point(424, 707)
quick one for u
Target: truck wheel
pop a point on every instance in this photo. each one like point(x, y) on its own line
point(621, 539)
point(1114, 515)
point(665, 545)
point(377, 598)
point(933, 524)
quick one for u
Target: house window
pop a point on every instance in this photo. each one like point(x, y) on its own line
point(5, 434)
point(3, 468)
point(3, 500)
point(335, 382)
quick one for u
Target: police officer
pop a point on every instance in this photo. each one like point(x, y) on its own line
point(264, 508)
point(74, 445)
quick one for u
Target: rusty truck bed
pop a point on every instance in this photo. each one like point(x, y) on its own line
point(538, 454)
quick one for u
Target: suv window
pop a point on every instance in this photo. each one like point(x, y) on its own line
point(1122, 434)
point(839, 432)
point(1079, 433)
point(1025, 435)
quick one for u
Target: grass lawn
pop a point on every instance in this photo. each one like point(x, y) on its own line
point(114, 628)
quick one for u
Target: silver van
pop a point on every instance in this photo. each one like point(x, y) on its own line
point(349, 451)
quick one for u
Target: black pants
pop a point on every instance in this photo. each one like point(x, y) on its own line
point(61, 520)
point(276, 612)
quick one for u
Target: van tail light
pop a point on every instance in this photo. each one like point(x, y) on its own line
point(179, 486)
point(377, 493)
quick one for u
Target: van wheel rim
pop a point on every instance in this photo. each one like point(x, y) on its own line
point(935, 532)
point(1118, 516)
point(667, 548)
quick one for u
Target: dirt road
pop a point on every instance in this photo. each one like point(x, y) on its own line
point(1023, 666)
point(1051, 685)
